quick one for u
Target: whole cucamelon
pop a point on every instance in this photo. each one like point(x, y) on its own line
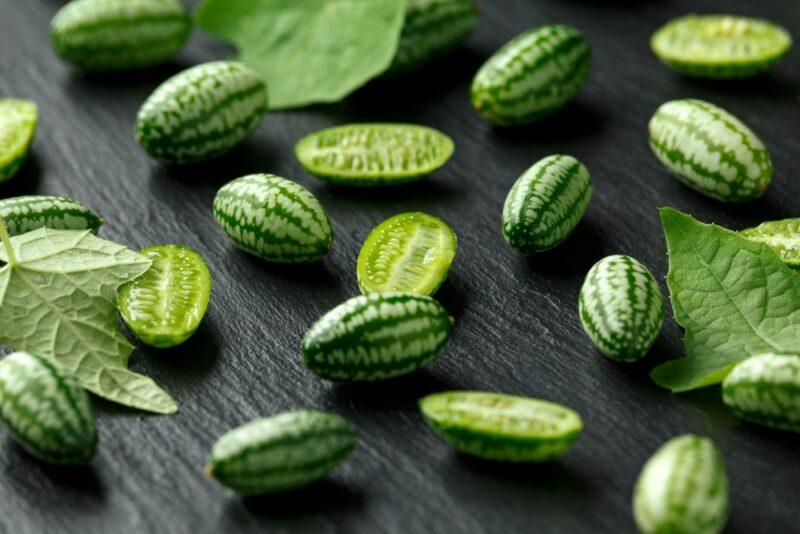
point(621, 308)
point(282, 452)
point(534, 75)
point(17, 127)
point(113, 35)
point(546, 204)
point(48, 414)
point(502, 427)
point(201, 112)
point(374, 337)
point(783, 236)
point(31, 212)
point(710, 150)
point(765, 389)
point(274, 218)
point(432, 28)
point(682, 489)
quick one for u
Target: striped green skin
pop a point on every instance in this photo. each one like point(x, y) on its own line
point(410, 252)
point(682, 489)
point(281, 453)
point(18, 120)
point(621, 308)
point(44, 411)
point(165, 305)
point(546, 204)
point(432, 28)
point(31, 212)
point(502, 427)
point(710, 150)
point(274, 218)
point(374, 154)
point(533, 76)
point(201, 112)
point(114, 35)
point(783, 236)
point(765, 389)
point(375, 337)
point(720, 46)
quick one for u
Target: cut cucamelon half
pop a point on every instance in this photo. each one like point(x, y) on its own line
point(17, 127)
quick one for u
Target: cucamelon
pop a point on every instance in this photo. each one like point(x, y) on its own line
point(720, 46)
point(621, 308)
point(274, 218)
point(783, 236)
point(432, 28)
point(765, 389)
point(378, 336)
point(201, 112)
point(31, 212)
point(165, 305)
point(282, 452)
point(45, 411)
point(410, 252)
point(710, 150)
point(682, 489)
point(17, 127)
point(502, 427)
point(374, 154)
point(113, 35)
point(532, 76)
point(546, 204)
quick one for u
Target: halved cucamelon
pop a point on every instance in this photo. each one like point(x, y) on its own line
point(546, 204)
point(45, 411)
point(682, 489)
point(410, 252)
point(17, 127)
point(165, 305)
point(376, 337)
point(783, 236)
point(31, 212)
point(534, 75)
point(274, 218)
point(374, 154)
point(765, 389)
point(502, 427)
point(621, 308)
point(282, 452)
point(710, 150)
point(201, 112)
point(112, 35)
point(720, 46)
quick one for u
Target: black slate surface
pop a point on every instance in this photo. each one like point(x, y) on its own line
point(517, 327)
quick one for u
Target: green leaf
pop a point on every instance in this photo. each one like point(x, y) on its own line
point(734, 297)
point(309, 51)
point(783, 236)
point(58, 298)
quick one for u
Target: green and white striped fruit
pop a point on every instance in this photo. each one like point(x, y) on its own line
point(710, 150)
point(31, 212)
point(201, 112)
point(17, 127)
point(432, 29)
point(374, 154)
point(621, 308)
point(113, 35)
point(410, 252)
point(682, 489)
point(282, 452)
point(375, 337)
point(274, 218)
point(546, 204)
point(720, 46)
point(765, 389)
point(165, 305)
point(502, 427)
point(45, 411)
point(783, 236)
point(533, 76)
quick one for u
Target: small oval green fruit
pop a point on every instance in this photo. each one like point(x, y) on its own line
point(18, 120)
point(28, 213)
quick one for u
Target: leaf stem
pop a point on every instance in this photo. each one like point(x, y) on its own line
point(12, 258)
